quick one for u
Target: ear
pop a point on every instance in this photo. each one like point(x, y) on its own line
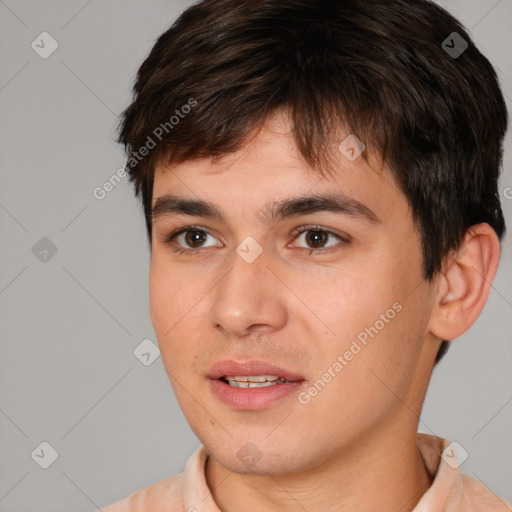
point(465, 282)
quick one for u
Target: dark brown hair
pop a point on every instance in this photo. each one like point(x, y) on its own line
point(385, 69)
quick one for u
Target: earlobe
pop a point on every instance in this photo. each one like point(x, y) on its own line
point(464, 283)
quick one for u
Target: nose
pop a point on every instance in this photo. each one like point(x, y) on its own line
point(249, 299)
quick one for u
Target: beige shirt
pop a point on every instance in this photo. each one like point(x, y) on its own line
point(451, 490)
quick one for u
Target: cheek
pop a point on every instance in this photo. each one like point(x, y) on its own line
point(377, 325)
point(353, 302)
point(169, 293)
point(369, 377)
point(177, 310)
point(160, 305)
point(171, 302)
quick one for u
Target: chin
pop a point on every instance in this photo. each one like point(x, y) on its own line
point(265, 457)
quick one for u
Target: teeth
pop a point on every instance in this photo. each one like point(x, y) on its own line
point(254, 381)
point(237, 384)
point(252, 378)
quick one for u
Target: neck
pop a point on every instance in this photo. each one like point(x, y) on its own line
point(385, 473)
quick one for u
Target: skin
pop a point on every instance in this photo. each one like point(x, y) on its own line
point(353, 446)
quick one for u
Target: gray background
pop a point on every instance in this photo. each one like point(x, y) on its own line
point(70, 324)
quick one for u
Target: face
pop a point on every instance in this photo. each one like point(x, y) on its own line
point(341, 306)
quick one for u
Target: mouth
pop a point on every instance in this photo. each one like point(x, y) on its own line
point(252, 385)
point(254, 381)
point(252, 372)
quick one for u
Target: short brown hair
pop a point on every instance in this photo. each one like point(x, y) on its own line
point(380, 67)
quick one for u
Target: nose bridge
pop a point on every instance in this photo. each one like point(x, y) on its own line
point(248, 294)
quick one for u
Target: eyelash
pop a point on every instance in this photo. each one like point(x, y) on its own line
point(169, 239)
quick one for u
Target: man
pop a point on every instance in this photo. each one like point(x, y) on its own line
point(319, 181)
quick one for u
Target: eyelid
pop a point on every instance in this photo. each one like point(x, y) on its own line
point(174, 234)
point(316, 227)
point(343, 237)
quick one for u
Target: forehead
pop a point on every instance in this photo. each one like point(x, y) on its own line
point(269, 168)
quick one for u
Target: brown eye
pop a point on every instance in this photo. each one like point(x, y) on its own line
point(189, 240)
point(195, 238)
point(316, 237)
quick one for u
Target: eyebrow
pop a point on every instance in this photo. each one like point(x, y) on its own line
point(337, 203)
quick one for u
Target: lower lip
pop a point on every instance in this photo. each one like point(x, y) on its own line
point(252, 398)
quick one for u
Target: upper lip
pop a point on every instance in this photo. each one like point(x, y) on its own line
point(252, 367)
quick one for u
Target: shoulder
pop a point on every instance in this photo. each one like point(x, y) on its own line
point(452, 490)
point(167, 491)
point(167, 495)
point(478, 498)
